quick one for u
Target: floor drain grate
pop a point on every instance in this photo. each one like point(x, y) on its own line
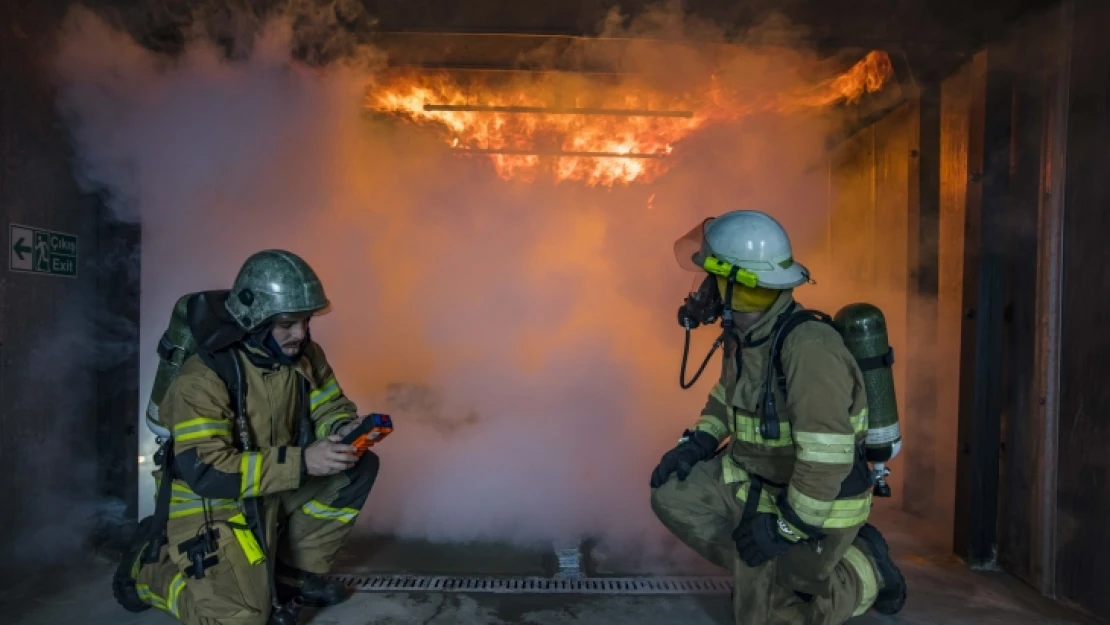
point(539, 585)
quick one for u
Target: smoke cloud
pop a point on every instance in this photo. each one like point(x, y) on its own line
point(522, 334)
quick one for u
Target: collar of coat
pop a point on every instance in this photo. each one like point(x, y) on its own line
point(261, 358)
point(760, 331)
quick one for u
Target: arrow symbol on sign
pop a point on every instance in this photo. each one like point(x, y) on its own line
point(21, 249)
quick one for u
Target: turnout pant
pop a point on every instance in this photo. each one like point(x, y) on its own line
point(305, 529)
point(822, 583)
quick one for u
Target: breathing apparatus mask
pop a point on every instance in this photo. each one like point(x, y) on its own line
point(720, 289)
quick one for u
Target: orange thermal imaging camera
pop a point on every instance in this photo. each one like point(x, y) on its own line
point(373, 429)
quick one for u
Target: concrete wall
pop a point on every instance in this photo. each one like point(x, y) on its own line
point(65, 342)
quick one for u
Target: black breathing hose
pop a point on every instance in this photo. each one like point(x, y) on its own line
point(685, 356)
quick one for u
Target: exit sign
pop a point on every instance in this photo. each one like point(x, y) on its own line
point(34, 250)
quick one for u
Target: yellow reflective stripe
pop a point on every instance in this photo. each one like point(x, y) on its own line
point(811, 511)
point(180, 509)
point(718, 392)
point(747, 430)
point(149, 597)
point(178, 492)
point(317, 510)
point(859, 422)
point(731, 472)
point(250, 466)
point(326, 423)
point(825, 448)
point(176, 586)
point(712, 426)
point(839, 514)
point(201, 427)
point(869, 584)
point(766, 500)
point(328, 391)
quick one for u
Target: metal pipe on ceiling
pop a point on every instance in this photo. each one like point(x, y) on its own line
point(556, 110)
point(532, 152)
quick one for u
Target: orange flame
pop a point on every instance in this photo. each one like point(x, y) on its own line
point(605, 133)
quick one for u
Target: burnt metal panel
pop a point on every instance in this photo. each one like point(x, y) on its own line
point(981, 367)
point(1035, 53)
point(1082, 565)
point(1044, 421)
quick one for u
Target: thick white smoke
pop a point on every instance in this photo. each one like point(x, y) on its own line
point(542, 315)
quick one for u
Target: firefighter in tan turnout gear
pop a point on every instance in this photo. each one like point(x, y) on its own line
point(785, 504)
point(262, 494)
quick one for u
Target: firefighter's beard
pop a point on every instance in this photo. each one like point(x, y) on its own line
point(287, 353)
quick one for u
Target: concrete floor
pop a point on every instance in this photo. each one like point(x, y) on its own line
point(941, 591)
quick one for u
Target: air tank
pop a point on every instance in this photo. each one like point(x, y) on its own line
point(864, 329)
point(176, 342)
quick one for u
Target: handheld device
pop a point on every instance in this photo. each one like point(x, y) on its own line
point(371, 431)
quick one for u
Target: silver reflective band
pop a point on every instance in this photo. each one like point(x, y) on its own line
point(883, 435)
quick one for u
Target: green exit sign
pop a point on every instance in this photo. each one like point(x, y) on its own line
point(34, 250)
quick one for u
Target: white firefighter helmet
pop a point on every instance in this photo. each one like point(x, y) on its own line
point(749, 244)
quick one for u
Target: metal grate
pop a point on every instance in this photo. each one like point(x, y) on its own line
point(539, 585)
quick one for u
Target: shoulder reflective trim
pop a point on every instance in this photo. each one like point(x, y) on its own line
point(825, 448)
point(747, 430)
point(250, 467)
point(869, 585)
point(839, 514)
point(176, 586)
point(325, 424)
point(859, 421)
point(317, 510)
point(180, 509)
point(201, 427)
point(712, 426)
point(328, 391)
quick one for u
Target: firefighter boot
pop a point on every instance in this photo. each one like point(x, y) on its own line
point(287, 614)
point(892, 585)
point(309, 589)
point(123, 582)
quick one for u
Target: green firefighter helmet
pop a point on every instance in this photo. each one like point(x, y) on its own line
point(272, 283)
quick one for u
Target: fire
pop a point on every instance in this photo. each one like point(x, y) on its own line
point(586, 128)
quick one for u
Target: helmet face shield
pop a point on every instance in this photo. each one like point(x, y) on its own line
point(689, 249)
point(694, 254)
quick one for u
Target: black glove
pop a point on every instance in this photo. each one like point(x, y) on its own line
point(758, 539)
point(695, 447)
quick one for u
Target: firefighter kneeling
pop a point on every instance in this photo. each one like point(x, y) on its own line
point(785, 506)
point(256, 491)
